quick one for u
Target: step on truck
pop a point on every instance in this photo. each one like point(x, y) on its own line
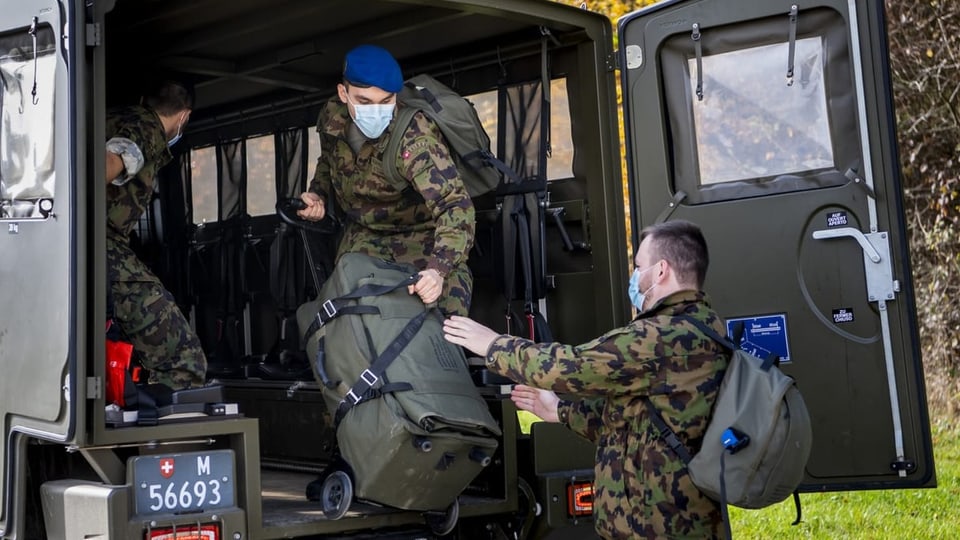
point(767, 122)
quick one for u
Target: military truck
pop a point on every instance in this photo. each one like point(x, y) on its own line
point(767, 122)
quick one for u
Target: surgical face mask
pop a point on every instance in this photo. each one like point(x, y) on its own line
point(372, 120)
point(179, 134)
point(637, 298)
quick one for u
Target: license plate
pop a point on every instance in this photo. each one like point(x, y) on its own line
point(179, 483)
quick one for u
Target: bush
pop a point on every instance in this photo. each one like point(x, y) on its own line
point(924, 61)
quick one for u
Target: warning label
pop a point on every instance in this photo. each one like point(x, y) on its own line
point(843, 315)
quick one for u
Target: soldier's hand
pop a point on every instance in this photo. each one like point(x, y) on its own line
point(428, 287)
point(542, 403)
point(469, 333)
point(315, 209)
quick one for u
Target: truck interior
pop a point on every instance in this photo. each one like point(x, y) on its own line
point(261, 72)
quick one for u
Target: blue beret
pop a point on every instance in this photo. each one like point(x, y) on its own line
point(369, 65)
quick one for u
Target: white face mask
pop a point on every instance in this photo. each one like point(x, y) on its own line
point(372, 120)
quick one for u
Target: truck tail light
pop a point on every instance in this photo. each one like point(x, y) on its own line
point(185, 532)
point(580, 499)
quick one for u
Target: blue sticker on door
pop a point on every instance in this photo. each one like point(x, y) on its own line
point(763, 336)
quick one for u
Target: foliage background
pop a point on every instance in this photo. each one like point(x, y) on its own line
point(924, 42)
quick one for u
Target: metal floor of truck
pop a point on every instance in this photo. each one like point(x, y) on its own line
point(285, 504)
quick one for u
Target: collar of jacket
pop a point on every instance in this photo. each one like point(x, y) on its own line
point(676, 303)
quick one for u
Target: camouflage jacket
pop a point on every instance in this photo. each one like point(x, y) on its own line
point(431, 225)
point(127, 202)
point(642, 489)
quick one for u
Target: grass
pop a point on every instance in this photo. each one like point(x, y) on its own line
point(879, 514)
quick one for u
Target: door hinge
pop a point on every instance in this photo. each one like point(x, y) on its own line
point(94, 388)
point(93, 34)
point(612, 61)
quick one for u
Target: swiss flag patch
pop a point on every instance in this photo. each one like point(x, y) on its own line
point(166, 467)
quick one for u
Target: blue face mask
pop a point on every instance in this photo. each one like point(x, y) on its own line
point(372, 120)
point(637, 298)
point(179, 134)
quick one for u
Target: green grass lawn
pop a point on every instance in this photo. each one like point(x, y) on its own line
point(904, 513)
point(907, 514)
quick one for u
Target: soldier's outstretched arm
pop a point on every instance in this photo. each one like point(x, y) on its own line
point(620, 361)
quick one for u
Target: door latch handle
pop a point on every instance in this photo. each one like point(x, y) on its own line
point(842, 232)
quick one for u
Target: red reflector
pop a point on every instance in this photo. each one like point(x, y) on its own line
point(185, 532)
point(580, 499)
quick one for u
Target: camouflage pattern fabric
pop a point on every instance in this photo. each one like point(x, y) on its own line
point(146, 311)
point(126, 203)
point(642, 489)
point(429, 225)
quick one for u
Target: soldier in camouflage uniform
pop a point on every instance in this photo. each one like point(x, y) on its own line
point(642, 488)
point(138, 145)
point(429, 224)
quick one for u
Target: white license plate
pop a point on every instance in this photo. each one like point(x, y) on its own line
point(183, 483)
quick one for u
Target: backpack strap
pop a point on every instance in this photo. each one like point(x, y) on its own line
point(713, 334)
point(731, 344)
point(333, 308)
point(664, 432)
point(373, 374)
point(392, 150)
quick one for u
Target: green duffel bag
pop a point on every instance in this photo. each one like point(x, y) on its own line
point(410, 422)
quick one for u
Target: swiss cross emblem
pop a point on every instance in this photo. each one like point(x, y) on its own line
point(166, 467)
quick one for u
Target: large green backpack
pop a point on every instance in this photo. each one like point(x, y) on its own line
point(410, 422)
point(457, 119)
point(756, 446)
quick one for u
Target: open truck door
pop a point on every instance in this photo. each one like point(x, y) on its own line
point(769, 123)
point(39, 329)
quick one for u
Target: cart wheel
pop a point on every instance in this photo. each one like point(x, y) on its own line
point(336, 495)
point(443, 523)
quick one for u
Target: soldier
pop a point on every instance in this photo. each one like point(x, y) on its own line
point(138, 145)
point(429, 225)
point(641, 489)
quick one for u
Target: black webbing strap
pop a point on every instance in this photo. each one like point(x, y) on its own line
point(723, 497)
point(711, 333)
point(372, 375)
point(664, 432)
point(374, 393)
point(148, 414)
point(331, 309)
point(509, 247)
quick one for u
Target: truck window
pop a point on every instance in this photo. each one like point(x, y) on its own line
point(560, 157)
point(203, 184)
point(261, 176)
point(27, 74)
point(784, 138)
point(785, 130)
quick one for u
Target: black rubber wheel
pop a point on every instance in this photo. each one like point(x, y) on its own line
point(443, 523)
point(336, 495)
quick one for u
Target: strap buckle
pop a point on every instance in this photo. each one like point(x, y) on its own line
point(369, 377)
point(329, 309)
point(353, 397)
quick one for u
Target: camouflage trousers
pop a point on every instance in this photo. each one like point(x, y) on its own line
point(161, 335)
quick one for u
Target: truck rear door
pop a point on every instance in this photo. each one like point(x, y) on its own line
point(769, 123)
point(39, 266)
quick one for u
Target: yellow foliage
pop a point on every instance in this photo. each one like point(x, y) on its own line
point(614, 9)
point(611, 8)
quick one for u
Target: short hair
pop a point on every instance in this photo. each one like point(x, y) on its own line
point(169, 97)
point(682, 245)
